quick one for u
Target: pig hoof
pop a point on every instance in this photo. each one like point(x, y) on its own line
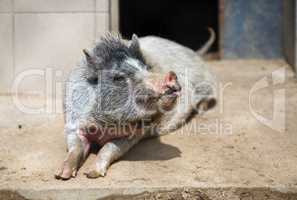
point(65, 173)
point(95, 174)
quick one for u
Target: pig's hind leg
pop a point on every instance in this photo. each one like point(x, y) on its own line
point(111, 152)
point(78, 149)
point(204, 97)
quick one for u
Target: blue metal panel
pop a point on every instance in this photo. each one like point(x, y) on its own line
point(253, 29)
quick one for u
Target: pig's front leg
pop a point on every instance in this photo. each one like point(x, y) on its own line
point(111, 152)
point(78, 149)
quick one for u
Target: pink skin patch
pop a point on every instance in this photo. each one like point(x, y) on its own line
point(103, 135)
point(161, 85)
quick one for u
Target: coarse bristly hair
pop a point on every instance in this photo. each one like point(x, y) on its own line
point(112, 48)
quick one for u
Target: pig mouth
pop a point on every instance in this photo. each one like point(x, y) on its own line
point(172, 94)
point(172, 91)
point(169, 97)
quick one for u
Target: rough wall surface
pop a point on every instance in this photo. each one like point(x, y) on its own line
point(290, 36)
point(252, 29)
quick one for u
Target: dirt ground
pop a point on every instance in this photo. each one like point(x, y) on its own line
point(229, 153)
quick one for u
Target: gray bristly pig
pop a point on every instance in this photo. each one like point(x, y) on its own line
point(125, 91)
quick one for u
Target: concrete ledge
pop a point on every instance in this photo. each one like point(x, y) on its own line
point(151, 194)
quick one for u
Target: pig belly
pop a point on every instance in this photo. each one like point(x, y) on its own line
point(102, 137)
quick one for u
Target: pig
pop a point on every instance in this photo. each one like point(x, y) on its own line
point(125, 91)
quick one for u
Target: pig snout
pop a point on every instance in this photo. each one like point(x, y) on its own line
point(170, 84)
point(166, 89)
point(163, 85)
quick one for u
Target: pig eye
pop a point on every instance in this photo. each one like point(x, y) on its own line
point(118, 78)
point(93, 80)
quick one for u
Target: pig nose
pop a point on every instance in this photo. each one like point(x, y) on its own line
point(173, 88)
point(171, 83)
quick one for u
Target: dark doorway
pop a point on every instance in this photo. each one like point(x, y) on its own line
point(185, 22)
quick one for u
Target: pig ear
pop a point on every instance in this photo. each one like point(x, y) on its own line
point(135, 47)
point(93, 61)
point(88, 56)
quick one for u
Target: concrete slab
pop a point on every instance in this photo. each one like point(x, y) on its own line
point(225, 154)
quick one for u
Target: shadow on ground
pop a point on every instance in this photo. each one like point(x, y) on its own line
point(152, 149)
point(148, 149)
